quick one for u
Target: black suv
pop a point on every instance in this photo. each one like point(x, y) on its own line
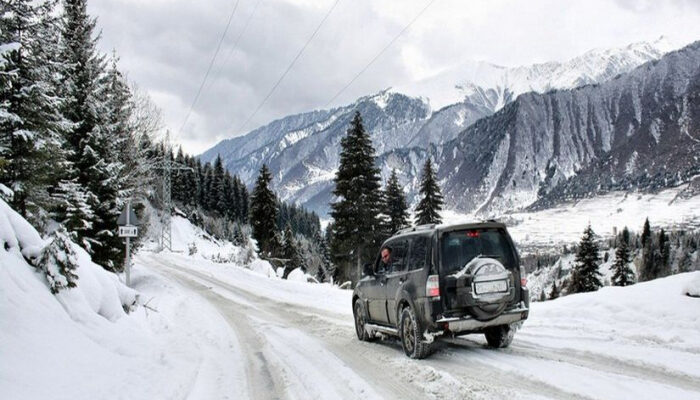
point(443, 281)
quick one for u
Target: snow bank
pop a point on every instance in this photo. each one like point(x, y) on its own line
point(81, 344)
point(298, 275)
point(618, 321)
point(264, 268)
point(692, 288)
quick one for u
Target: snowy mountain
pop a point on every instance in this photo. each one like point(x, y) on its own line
point(480, 89)
point(637, 131)
point(303, 149)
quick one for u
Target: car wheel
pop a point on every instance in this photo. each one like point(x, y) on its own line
point(360, 323)
point(500, 336)
point(411, 333)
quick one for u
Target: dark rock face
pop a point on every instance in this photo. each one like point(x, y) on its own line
point(638, 131)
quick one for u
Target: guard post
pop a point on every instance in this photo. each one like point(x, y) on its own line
point(127, 229)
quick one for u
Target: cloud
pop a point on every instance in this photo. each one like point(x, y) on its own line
point(166, 47)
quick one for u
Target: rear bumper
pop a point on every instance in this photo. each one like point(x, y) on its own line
point(470, 324)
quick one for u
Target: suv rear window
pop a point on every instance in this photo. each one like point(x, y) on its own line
point(460, 247)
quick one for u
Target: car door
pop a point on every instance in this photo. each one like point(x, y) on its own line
point(395, 277)
point(373, 289)
point(412, 279)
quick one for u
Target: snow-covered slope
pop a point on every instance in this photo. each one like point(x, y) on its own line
point(548, 229)
point(82, 344)
point(637, 131)
point(469, 92)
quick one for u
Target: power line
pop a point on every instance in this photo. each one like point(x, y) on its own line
point(211, 64)
point(380, 53)
point(235, 43)
point(289, 67)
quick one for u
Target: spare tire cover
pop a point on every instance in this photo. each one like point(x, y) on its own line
point(489, 305)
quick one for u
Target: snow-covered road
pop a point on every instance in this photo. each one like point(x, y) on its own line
point(297, 341)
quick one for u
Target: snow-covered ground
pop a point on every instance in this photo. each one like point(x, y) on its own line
point(634, 342)
point(205, 330)
point(81, 344)
point(564, 224)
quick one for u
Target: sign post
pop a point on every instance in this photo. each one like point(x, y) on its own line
point(127, 229)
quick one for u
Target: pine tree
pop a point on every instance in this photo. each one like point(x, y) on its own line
point(395, 206)
point(646, 232)
point(326, 269)
point(31, 123)
point(585, 276)
point(220, 191)
point(427, 211)
point(92, 149)
point(58, 262)
point(263, 212)
point(622, 273)
point(542, 296)
point(357, 227)
point(664, 253)
point(291, 252)
point(554, 293)
point(649, 268)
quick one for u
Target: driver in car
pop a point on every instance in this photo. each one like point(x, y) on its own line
point(385, 263)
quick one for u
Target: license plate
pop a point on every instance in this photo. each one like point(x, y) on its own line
point(491, 287)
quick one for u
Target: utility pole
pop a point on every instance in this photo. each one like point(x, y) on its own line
point(128, 228)
point(167, 165)
point(166, 238)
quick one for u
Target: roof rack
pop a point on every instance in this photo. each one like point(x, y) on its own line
point(423, 227)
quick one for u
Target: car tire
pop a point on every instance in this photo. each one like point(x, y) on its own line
point(411, 334)
point(501, 336)
point(359, 316)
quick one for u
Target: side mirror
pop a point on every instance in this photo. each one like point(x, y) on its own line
point(367, 270)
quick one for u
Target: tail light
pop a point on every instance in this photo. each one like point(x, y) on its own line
point(432, 286)
point(523, 281)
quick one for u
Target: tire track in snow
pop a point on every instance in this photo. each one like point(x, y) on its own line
point(259, 372)
point(462, 369)
point(279, 366)
point(417, 380)
point(563, 367)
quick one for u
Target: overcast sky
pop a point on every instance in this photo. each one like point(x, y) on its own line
point(166, 47)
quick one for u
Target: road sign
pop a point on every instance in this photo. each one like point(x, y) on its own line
point(127, 217)
point(128, 231)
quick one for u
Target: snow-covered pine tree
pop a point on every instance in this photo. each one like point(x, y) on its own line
point(357, 227)
point(326, 269)
point(208, 199)
point(664, 253)
point(244, 202)
point(234, 202)
point(263, 213)
point(585, 276)
point(646, 232)
point(649, 267)
point(554, 293)
point(395, 204)
point(31, 123)
point(219, 193)
point(427, 211)
point(291, 252)
point(622, 272)
point(58, 262)
point(96, 168)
